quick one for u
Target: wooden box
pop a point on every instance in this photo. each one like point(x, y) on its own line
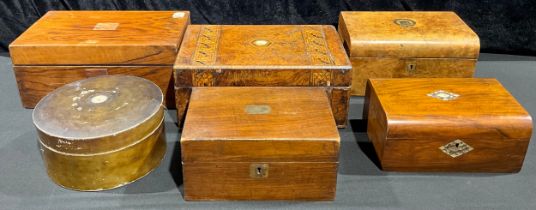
point(407, 44)
point(259, 143)
point(66, 46)
point(102, 132)
point(275, 55)
point(449, 125)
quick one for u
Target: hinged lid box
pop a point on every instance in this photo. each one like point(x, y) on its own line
point(65, 46)
point(407, 44)
point(447, 124)
point(268, 55)
point(259, 143)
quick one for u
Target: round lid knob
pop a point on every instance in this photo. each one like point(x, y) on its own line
point(97, 107)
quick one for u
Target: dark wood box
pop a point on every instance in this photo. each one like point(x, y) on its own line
point(447, 124)
point(407, 44)
point(275, 55)
point(66, 46)
point(259, 143)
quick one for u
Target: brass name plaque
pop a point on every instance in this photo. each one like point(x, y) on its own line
point(258, 109)
point(106, 26)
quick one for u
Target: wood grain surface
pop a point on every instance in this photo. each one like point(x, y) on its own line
point(434, 35)
point(292, 110)
point(35, 82)
point(286, 181)
point(439, 44)
point(74, 38)
point(66, 46)
point(229, 129)
point(339, 98)
point(378, 67)
point(407, 126)
point(287, 46)
point(299, 55)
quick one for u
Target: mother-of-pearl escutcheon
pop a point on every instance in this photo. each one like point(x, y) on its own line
point(97, 99)
point(261, 42)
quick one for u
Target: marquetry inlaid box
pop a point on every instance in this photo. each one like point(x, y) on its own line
point(270, 55)
point(102, 132)
point(259, 143)
point(407, 44)
point(66, 46)
point(447, 124)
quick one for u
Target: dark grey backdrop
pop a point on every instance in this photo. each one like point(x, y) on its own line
point(504, 26)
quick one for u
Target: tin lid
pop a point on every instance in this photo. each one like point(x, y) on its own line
point(408, 35)
point(97, 107)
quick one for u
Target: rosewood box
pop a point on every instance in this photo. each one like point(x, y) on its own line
point(66, 46)
point(407, 44)
point(101, 133)
point(259, 143)
point(447, 125)
point(270, 55)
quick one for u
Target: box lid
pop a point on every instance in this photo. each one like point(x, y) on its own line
point(450, 108)
point(99, 114)
point(408, 34)
point(261, 47)
point(101, 37)
point(259, 124)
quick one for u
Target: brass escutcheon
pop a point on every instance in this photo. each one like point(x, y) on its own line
point(258, 170)
point(411, 67)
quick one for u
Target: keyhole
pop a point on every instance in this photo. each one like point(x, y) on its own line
point(258, 171)
point(411, 67)
point(457, 145)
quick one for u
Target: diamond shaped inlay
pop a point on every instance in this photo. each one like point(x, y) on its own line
point(456, 148)
point(443, 95)
point(261, 42)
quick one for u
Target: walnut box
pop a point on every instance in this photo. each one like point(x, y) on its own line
point(66, 46)
point(259, 143)
point(270, 55)
point(446, 125)
point(407, 44)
